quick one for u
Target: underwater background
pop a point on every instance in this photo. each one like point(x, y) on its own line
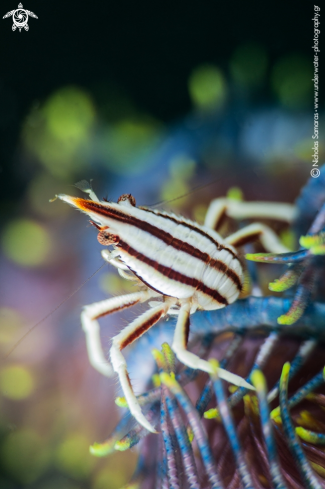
point(154, 100)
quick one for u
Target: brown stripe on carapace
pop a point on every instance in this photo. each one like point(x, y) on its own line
point(141, 329)
point(111, 311)
point(167, 238)
point(193, 228)
point(247, 239)
point(222, 267)
point(173, 274)
point(216, 264)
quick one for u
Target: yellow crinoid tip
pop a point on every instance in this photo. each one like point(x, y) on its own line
point(258, 380)
point(318, 250)
point(156, 380)
point(260, 257)
point(251, 404)
point(212, 413)
point(169, 356)
point(252, 256)
point(306, 435)
point(277, 286)
point(102, 449)
point(215, 366)
point(190, 434)
point(285, 372)
point(295, 313)
point(159, 359)
point(122, 445)
point(235, 193)
point(166, 379)
point(315, 243)
point(291, 317)
point(284, 319)
point(275, 413)
point(277, 420)
point(121, 402)
point(313, 240)
point(318, 468)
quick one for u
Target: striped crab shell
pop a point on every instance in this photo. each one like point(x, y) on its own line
point(170, 254)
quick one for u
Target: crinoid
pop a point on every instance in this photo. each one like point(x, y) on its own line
point(269, 438)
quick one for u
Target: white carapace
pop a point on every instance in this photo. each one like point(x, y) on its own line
point(179, 267)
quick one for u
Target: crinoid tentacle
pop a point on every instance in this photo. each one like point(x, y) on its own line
point(304, 392)
point(303, 465)
point(166, 362)
point(304, 352)
point(197, 428)
point(305, 266)
point(259, 383)
point(229, 425)
point(303, 271)
point(264, 353)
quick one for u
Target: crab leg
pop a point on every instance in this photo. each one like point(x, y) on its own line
point(91, 328)
point(243, 210)
point(249, 233)
point(179, 346)
point(129, 334)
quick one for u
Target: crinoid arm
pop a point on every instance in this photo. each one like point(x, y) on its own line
point(303, 271)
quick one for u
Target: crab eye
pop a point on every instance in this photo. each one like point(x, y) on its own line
point(106, 239)
point(126, 199)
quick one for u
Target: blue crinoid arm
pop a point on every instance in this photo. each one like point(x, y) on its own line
point(307, 265)
point(260, 312)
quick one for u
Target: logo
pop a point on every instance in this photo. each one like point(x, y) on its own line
point(20, 18)
point(315, 172)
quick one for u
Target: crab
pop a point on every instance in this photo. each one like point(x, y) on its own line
point(178, 266)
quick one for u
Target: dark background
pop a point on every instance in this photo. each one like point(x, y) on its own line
point(145, 50)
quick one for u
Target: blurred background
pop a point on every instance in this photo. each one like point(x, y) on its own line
point(143, 98)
